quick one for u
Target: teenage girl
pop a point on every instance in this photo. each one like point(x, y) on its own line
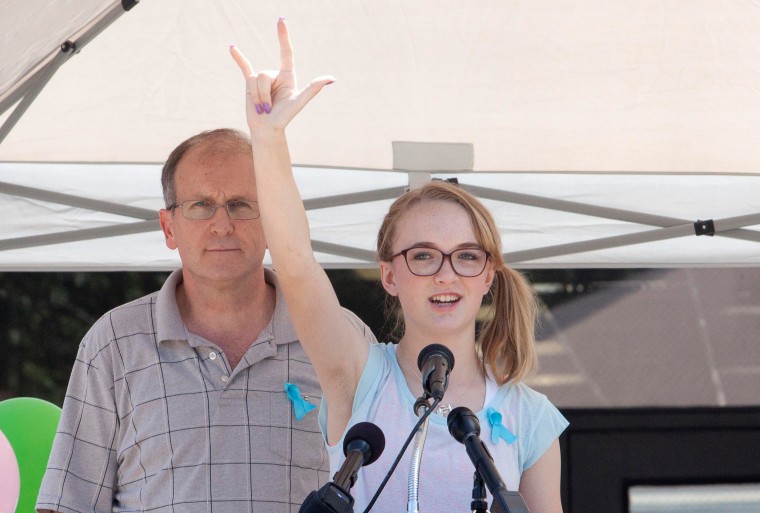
point(439, 253)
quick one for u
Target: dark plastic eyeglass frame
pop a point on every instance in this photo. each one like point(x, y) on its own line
point(443, 259)
point(216, 206)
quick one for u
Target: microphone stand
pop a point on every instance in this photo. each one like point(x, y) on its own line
point(435, 361)
point(465, 428)
point(401, 452)
point(412, 502)
point(479, 503)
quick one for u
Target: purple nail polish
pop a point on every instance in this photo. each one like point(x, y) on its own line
point(267, 108)
point(259, 109)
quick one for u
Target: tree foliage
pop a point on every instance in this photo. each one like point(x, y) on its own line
point(43, 317)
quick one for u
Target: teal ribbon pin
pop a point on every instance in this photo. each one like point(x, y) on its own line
point(300, 405)
point(497, 429)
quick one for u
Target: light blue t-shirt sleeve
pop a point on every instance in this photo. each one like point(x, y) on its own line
point(542, 423)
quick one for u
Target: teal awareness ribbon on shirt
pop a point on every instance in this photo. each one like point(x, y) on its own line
point(300, 405)
point(497, 429)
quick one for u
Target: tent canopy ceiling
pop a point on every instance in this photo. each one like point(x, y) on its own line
point(523, 102)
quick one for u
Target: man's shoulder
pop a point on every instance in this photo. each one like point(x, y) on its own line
point(360, 326)
point(136, 309)
point(135, 316)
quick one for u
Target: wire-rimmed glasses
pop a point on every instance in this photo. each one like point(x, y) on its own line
point(205, 209)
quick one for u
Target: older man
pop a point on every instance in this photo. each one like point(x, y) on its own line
point(197, 397)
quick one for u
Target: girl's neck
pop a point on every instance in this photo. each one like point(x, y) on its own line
point(466, 360)
point(460, 340)
point(466, 384)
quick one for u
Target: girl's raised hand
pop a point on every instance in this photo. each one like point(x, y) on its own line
point(272, 97)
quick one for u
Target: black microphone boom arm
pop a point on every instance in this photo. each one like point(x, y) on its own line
point(465, 428)
point(362, 445)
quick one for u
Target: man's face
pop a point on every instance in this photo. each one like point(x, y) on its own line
point(220, 249)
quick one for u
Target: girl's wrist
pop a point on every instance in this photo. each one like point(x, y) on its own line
point(267, 136)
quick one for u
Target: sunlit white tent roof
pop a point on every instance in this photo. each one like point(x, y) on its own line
point(603, 135)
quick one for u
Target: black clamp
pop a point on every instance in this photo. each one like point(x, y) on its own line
point(453, 181)
point(69, 47)
point(704, 228)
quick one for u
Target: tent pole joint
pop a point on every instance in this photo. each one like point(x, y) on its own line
point(704, 228)
point(128, 4)
point(69, 47)
point(453, 181)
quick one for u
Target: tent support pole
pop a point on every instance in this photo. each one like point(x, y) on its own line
point(78, 201)
point(80, 235)
point(34, 87)
point(348, 251)
point(727, 227)
point(30, 87)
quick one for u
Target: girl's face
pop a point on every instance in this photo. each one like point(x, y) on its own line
point(444, 303)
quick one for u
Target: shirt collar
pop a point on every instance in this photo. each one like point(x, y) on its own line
point(171, 327)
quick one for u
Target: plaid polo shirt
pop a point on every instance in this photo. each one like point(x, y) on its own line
point(155, 420)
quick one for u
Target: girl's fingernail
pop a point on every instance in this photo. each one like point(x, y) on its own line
point(267, 108)
point(259, 109)
point(282, 18)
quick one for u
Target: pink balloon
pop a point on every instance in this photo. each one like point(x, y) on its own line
point(10, 484)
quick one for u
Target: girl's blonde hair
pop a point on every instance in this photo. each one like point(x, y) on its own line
point(506, 341)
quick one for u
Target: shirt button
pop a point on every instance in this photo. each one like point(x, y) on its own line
point(224, 379)
point(212, 355)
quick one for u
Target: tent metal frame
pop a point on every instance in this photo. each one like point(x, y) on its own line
point(27, 88)
point(664, 227)
point(414, 159)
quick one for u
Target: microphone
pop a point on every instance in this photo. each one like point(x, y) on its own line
point(362, 445)
point(435, 362)
point(464, 426)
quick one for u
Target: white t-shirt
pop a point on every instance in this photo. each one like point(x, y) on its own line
point(446, 472)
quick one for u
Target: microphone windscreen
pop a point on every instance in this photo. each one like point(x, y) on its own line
point(462, 422)
point(367, 432)
point(433, 349)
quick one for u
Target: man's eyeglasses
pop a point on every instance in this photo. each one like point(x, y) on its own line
point(205, 209)
point(424, 261)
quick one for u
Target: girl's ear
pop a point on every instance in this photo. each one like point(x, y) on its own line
point(489, 275)
point(388, 278)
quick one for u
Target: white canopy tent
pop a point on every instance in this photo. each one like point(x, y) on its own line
point(603, 136)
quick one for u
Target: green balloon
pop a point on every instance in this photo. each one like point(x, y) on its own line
point(29, 424)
